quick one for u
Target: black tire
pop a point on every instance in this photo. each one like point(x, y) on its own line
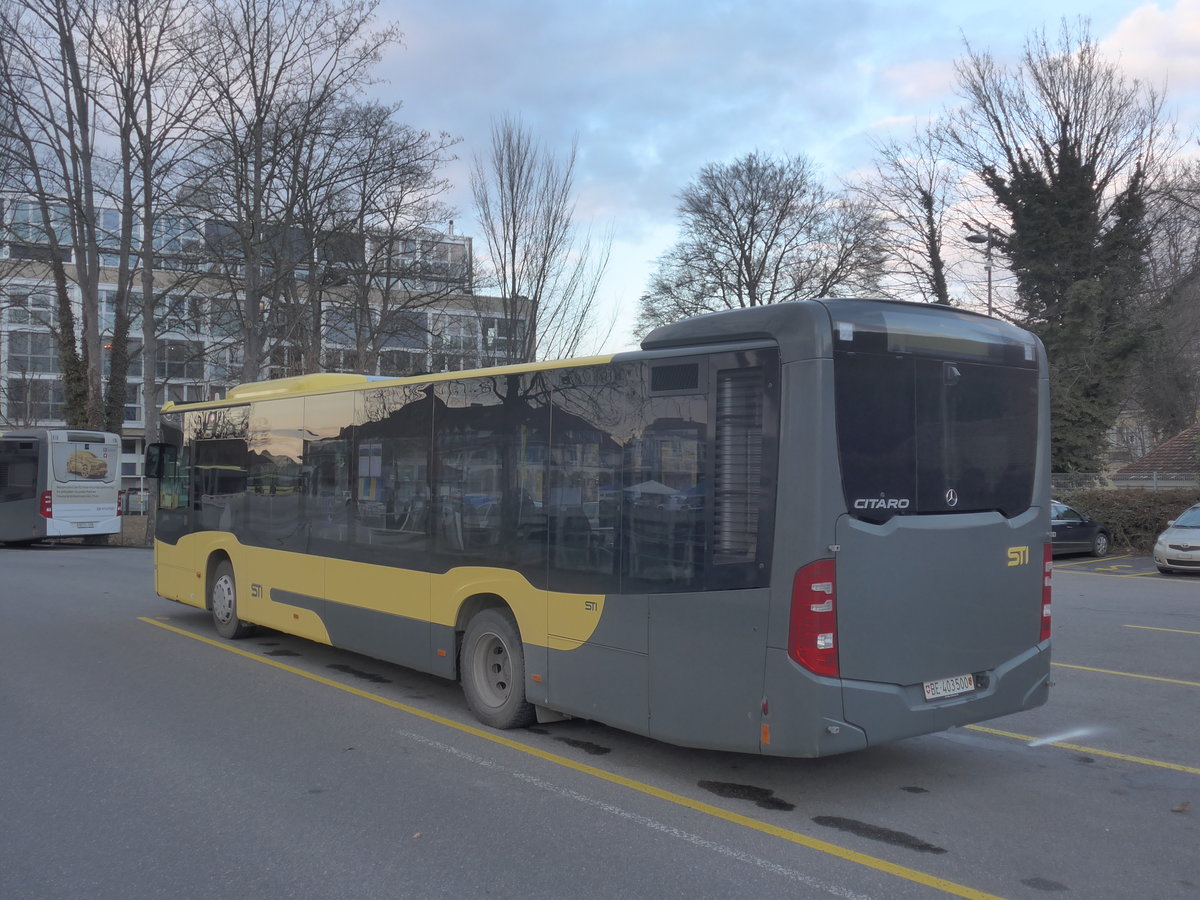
point(492, 667)
point(222, 600)
point(1100, 544)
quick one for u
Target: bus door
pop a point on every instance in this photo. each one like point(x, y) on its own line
point(174, 558)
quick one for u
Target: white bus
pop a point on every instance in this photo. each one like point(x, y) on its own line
point(58, 483)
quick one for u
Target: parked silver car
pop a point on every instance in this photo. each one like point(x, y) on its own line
point(1178, 548)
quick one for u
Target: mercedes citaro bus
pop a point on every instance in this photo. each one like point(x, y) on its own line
point(797, 530)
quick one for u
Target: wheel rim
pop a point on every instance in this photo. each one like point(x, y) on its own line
point(493, 669)
point(1101, 545)
point(222, 599)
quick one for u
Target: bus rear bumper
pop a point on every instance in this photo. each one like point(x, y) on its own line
point(900, 711)
point(77, 528)
point(820, 716)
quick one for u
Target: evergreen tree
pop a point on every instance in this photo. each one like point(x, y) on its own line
point(1066, 146)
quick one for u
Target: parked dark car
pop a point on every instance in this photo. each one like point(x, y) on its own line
point(1075, 532)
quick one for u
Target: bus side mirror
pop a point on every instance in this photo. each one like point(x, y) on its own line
point(160, 458)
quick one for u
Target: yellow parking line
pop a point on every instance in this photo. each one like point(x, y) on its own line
point(1111, 574)
point(1152, 628)
point(795, 837)
point(1090, 751)
point(1128, 674)
point(1088, 562)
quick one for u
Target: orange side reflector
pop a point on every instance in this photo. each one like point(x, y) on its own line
point(441, 653)
point(766, 734)
point(536, 678)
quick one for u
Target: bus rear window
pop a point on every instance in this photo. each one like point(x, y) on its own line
point(920, 434)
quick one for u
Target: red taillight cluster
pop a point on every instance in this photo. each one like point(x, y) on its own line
point(47, 505)
point(1047, 572)
point(812, 634)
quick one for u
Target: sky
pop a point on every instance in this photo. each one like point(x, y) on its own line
point(653, 90)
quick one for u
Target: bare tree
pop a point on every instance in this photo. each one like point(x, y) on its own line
point(916, 188)
point(48, 78)
point(758, 231)
point(546, 273)
point(397, 206)
point(365, 192)
point(272, 71)
point(151, 105)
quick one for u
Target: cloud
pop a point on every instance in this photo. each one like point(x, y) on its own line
point(925, 81)
point(1160, 44)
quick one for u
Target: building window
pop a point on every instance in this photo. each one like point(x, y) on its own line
point(184, 393)
point(340, 359)
point(180, 360)
point(32, 351)
point(402, 362)
point(342, 324)
point(29, 308)
point(29, 226)
point(455, 344)
point(35, 399)
point(226, 317)
point(108, 311)
point(285, 360)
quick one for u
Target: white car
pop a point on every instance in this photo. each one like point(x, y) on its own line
point(1178, 548)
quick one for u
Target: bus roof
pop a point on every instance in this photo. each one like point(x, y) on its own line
point(337, 382)
point(62, 434)
point(804, 329)
point(801, 329)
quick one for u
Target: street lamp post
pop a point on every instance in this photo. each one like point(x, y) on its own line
point(987, 239)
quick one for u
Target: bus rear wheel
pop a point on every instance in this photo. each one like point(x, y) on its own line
point(222, 597)
point(492, 663)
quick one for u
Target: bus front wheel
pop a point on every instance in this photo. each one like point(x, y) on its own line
point(492, 663)
point(222, 596)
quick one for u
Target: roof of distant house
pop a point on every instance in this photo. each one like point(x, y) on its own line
point(1177, 454)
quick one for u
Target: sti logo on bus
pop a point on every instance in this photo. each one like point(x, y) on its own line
point(1018, 556)
point(880, 503)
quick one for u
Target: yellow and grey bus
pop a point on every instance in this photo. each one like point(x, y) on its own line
point(58, 482)
point(796, 530)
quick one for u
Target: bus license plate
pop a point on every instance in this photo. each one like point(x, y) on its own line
point(949, 687)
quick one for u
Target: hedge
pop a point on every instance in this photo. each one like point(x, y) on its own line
point(1135, 517)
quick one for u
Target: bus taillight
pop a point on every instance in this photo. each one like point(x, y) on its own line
point(812, 634)
point(1047, 572)
point(47, 505)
